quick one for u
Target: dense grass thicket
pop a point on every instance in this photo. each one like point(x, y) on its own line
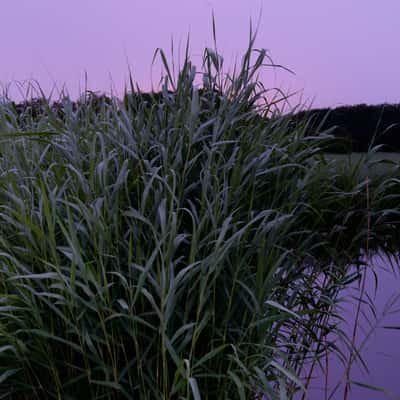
point(182, 248)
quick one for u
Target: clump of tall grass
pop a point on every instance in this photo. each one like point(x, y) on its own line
point(178, 249)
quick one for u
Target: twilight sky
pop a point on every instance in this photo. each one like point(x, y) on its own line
point(342, 51)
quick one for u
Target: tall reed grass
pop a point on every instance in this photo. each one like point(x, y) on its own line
point(180, 249)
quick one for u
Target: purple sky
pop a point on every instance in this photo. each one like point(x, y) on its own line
point(343, 52)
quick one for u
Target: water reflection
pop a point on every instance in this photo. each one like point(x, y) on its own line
point(377, 338)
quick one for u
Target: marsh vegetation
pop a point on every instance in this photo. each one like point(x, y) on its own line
point(178, 249)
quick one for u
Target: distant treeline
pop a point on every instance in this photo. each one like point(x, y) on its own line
point(38, 106)
point(360, 126)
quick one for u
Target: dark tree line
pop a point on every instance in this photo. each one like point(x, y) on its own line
point(138, 101)
point(361, 126)
point(358, 127)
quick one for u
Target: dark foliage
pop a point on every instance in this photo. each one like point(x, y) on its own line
point(361, 125)
point(138, 101)
point(358, 127)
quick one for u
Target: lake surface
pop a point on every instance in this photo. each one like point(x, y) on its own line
point(380, 346)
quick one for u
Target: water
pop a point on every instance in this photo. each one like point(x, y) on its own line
point(380, 347)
